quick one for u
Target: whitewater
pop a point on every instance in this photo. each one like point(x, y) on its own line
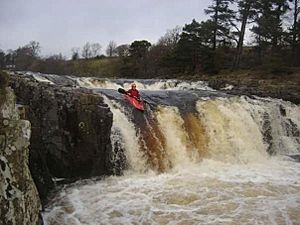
point(196, 156)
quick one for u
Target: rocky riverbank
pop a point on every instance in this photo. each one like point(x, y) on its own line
point(19, 200)
point(263, 84)
point(70, 132)
point(52, 133)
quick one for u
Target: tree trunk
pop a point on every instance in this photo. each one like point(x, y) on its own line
point(216, 17)
point(216, 24)
point(295, 24)
point(277, 35)
point(241, 36)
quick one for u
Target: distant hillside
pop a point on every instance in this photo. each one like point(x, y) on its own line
point(106, 67)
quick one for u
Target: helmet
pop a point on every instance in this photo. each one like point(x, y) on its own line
point(133, 85)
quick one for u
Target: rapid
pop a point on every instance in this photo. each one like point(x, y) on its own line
point(195, 156)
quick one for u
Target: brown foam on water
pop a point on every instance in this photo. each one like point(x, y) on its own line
point(197, 135)
point(153, 140)
point(153, 143)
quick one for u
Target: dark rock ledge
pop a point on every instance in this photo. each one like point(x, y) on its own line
point(70, 132)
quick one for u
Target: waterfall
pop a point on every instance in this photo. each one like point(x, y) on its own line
point(234, 135)
point(232, 129)
point(190, 122)
point(194, 156)
point(124, 137)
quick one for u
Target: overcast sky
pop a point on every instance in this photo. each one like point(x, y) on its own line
point(60, 25)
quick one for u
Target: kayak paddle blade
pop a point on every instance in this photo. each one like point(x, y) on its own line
point(122, 91)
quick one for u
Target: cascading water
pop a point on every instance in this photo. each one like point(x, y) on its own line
point(195, 156)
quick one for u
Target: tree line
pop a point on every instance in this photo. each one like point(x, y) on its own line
point(238, 34)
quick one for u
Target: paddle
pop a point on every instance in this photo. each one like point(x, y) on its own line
point(122, 91)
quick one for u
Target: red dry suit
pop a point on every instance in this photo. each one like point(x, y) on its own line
point(133, 93)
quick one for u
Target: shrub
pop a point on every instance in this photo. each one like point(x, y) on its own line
point(3, 84)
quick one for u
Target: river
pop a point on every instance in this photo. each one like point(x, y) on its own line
point(195, 156)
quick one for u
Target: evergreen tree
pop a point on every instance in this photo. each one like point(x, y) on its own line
point(295, 31)
point(221, 17)
point(75, 53)
point(2, 59)
point(268, 30)
point(194, 49)
point(138, 49)
point(269, 34)
point(138, 56)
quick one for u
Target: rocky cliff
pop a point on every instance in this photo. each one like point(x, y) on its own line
point(19, 200)
point(70, 132)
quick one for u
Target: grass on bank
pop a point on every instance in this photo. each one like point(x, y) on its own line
point(109, 67)
point(258, 77)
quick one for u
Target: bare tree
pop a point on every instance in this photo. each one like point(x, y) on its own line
point(86, 51)
point(96, 49)
point(111, 48)
point(35, 48)
point(91, 50)
point(171, 38)
point(122, 50)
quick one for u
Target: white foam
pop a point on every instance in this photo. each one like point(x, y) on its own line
point(90, 82)
point(41, 78)
point(212, 192)
point(124, 132)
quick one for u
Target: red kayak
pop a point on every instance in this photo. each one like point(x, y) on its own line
point(136, 103)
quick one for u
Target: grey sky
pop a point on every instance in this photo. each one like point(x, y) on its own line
point(60, 25)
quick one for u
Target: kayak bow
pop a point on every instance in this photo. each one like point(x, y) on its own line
point(136, 103)
point(133, 101)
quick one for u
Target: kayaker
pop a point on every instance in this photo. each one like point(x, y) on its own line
point(133, 92)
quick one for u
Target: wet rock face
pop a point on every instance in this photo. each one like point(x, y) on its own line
point(19, 200)
point(70, 132)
